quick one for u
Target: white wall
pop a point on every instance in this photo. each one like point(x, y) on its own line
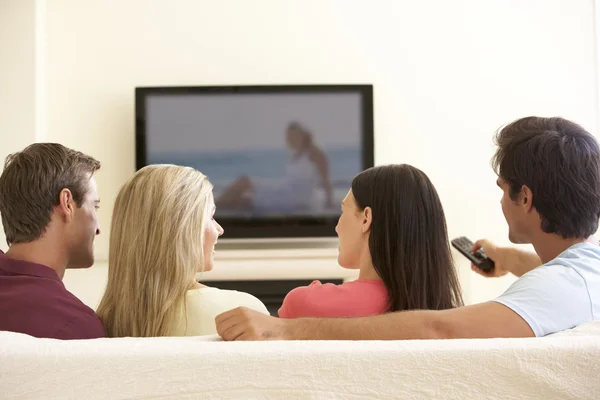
point(446, 75)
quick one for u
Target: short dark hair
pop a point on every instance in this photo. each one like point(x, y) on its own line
point(408, 239)
point(31, 183)
point(559, 162)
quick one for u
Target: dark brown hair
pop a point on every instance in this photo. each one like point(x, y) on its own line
point(31, 183)
point(408, 239)
point(559, 162)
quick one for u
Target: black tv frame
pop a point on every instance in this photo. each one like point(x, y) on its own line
point(265, 227)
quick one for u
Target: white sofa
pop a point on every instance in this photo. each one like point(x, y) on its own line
point(562, 366)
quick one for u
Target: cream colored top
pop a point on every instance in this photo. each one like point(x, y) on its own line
point(204, 304)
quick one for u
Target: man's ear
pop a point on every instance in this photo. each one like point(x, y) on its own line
point(367, 218)
point(526, 198)
point(66, 204)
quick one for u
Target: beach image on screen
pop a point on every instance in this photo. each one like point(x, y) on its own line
point(266, 154)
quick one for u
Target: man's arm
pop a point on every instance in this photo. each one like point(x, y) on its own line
point(519, 262)
point(506, 259)
point(486, 320)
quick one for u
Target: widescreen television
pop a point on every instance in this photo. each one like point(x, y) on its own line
point(281, 157)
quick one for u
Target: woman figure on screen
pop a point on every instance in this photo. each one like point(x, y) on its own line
point(162, 234)
point(393, 230)
point(307, 170)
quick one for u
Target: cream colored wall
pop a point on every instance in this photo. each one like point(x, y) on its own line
point(446, 75)
point(17, 79)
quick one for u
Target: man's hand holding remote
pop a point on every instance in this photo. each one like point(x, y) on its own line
point(506, 259)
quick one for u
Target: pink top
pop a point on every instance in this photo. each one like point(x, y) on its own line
point(351, 299)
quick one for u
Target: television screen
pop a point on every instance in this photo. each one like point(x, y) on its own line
point(277, 156)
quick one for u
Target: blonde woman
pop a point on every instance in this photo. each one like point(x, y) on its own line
point(163, 232)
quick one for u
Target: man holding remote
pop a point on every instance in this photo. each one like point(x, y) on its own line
point(549, 172)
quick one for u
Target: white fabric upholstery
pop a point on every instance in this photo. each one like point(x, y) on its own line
point(563, 366)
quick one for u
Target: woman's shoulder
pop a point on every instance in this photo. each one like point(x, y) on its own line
point(341, 289)
point(204, 304)
point(315, 287)
point(224, 299)
point(326, 299)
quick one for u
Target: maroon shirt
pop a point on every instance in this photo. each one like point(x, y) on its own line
point(34, 301)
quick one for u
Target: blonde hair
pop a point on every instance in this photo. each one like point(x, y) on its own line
point(156, 248)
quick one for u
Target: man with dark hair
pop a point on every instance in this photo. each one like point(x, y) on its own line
point(549, 173)
point(48, 203)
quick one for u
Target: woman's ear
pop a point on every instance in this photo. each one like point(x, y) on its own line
point(367, 218)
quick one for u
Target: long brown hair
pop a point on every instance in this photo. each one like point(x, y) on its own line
point(408, 240)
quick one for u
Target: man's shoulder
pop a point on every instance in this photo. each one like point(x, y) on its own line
point(73, 318)
point(44, 307)
point(85, 325)
point(582, 260)
point(554, 296)
point(574, 273)
point(556, 270)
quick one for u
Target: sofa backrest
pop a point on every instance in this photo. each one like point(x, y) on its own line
point(561, 366)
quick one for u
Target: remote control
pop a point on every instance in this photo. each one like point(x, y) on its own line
point(479, 258)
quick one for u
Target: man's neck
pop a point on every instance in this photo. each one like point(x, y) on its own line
point(39, 252)
point(548, 246)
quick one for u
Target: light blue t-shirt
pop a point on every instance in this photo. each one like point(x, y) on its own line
point(560, 294)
